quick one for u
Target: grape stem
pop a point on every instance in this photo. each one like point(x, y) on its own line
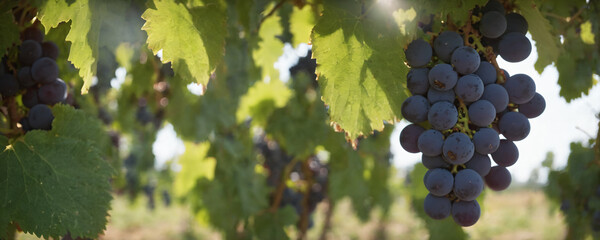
point(281, 186)
point(327, 221)
point(471, 33)
point(305, 211)
point(463, 119)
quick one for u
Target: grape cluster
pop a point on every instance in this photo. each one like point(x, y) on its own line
point(36, 79)
point(276, 160)
point(460, 105)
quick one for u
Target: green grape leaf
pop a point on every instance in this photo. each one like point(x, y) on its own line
point(54, 182)
point(8, 28)
point(192, 38)
point(360, 67)
point(269, 48)
point(271, 225)
point(261, 100)
point(194, 166)
point(346, 174)
point(546, 42)
point(302, 22)
point(86, 18)
point(307, 114)
point(456, 10)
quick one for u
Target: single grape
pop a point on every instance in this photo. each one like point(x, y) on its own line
point(409, 137)
point(480, 163)
point(492, 24)
point(50, 49)
point(442, 115)
point(486, 140)
point(442, 77)
point(53, 93)
point(516, 23)
point(465, 60)
point(458, 148)
point(482, 113)
point(24, 76)
point(466, 213)
point(40, 117)
point(446, 43)
point(468, 184)
point(534, 107)
point(514, 47)
point(417, 81)
point(32, 33)
point(434, 162)
point(486, 72)
point(520, 88)
point(469, 88)
point(439, 181)
point(497, 95)
point(507, 153)
point(498, 178)
point(9, 86)
point(29, 52)
point(415, 108)
point(418, 53)
point(437, 207)
point(493, 5)
point(514, 126)
point(44, 70)
point(434, 95)
point(30, 98)
point(430, 142)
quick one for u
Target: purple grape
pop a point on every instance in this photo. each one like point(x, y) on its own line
point(507, 153)
point(409, 137)
point(514, 126)
point(415, 108)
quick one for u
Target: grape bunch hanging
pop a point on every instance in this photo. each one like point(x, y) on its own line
point(462, 104)
point(34, 76)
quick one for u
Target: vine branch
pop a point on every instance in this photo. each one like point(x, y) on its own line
point(305, 211)
point(281, 186)
point(270, 13)
point(328, 217)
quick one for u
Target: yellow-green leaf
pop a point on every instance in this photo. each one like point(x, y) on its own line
point(192, 38)
point(194, 166)
point(360, 67)
point(86, 18)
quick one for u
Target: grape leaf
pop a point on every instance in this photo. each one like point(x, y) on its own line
point(301, 24)
point(86, 18)
point(269, 48)
point(261, 100)
point(546, 42)
point(346, 175)
point(8, 28)
point(457, 10)
point(270, 225)
point(56, 181)
point(194, 166)
point(360, 67)
point(192, 38)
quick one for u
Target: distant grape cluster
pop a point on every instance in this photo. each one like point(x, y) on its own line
point(276, 161)
point(35, 79)
point(460, 105)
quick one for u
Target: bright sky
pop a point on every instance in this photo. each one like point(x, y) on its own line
point(553, 131)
